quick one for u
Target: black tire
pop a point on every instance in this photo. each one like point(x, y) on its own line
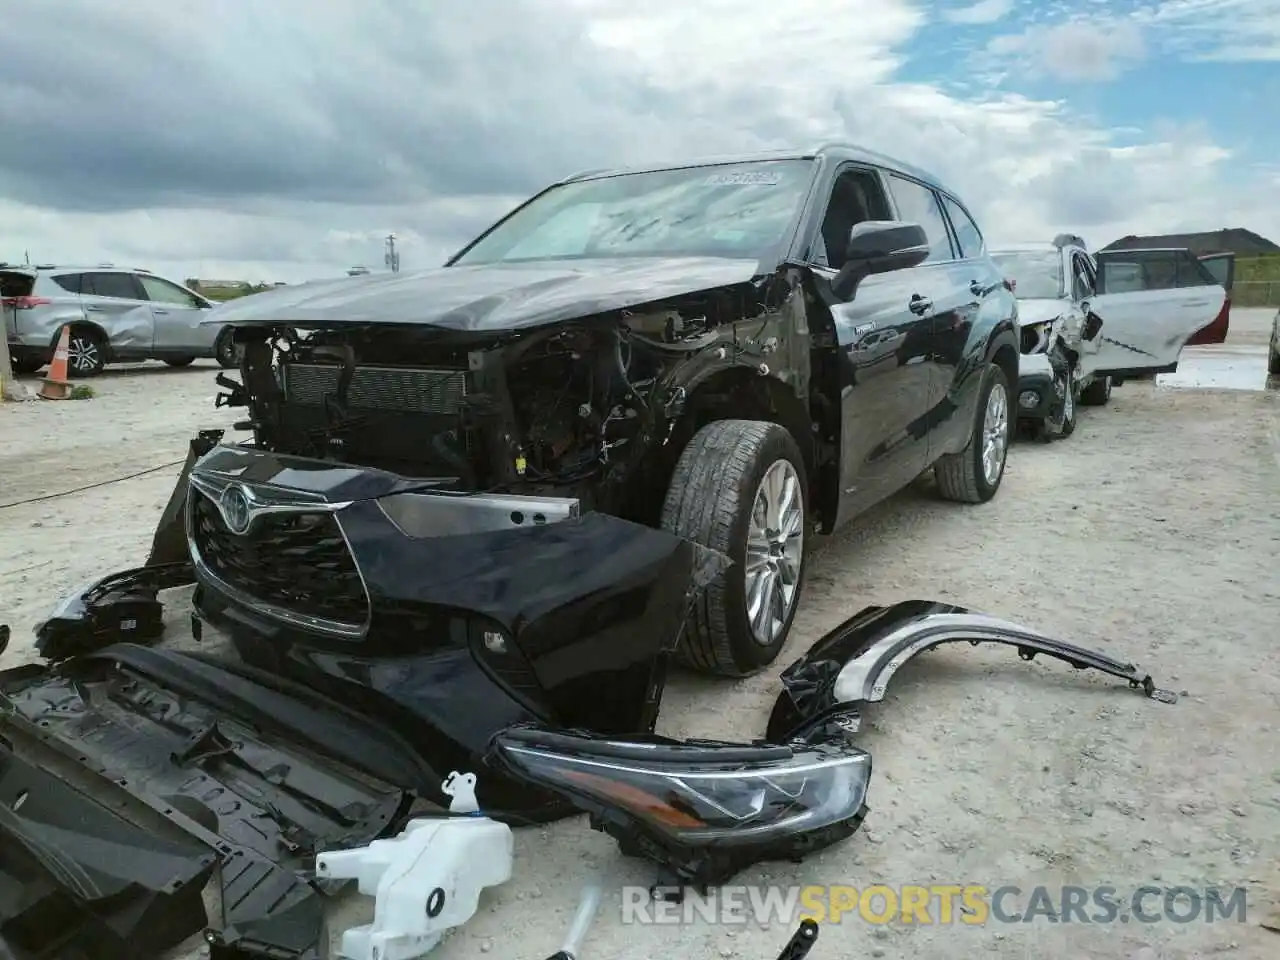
point(86, 353)
point(1273, 362)
point(960, 476)
point(1097, 393)
point(224, 351)
point(180, 361)
point(1061, 423)
point(710, 501)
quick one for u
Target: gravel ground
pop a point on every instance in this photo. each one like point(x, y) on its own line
point(1152, 533)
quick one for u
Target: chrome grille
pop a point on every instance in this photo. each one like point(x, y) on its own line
point(402, 389)
point(297, 562)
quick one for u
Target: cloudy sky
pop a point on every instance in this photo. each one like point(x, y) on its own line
point(282, 139)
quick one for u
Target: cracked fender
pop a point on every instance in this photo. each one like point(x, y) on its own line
point(855, 662)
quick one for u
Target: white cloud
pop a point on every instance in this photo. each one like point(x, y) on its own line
point(547, 89)
point(984, 11)
point(1236, 30)
point(1077, 50)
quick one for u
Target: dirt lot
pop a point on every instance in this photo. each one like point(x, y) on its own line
point(1154, 533)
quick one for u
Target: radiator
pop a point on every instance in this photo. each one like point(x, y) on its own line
point(404, 389)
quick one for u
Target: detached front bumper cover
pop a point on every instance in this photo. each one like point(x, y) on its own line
point(854, 663)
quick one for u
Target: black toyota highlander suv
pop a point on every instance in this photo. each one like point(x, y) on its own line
point(740, 352)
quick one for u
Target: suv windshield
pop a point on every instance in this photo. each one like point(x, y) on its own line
point(727, 210)
point(1036, 275)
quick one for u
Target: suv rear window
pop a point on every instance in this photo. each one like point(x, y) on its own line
point(16, 283)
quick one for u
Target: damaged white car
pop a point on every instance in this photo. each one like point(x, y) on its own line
point(1078, 340)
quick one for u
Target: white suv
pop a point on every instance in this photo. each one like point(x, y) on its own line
point(114, 315)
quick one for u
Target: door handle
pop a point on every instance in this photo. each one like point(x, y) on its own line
point(154, 310)
point(94, 309)
point(919, 305)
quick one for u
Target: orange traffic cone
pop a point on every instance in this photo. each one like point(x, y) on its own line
point(57, 385)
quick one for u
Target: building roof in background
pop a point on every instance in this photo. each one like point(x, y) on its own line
point(1235, 240)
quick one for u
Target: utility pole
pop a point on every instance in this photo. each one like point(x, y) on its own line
point(392, 259)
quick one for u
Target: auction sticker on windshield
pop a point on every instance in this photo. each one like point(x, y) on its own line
point(740, 178)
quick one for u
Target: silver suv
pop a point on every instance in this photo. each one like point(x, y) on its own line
point(115, 316)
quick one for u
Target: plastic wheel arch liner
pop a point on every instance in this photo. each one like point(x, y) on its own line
point(854, 663)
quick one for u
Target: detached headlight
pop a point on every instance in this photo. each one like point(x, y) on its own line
point(698, 794)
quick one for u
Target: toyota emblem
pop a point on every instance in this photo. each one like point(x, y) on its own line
point(236, 511)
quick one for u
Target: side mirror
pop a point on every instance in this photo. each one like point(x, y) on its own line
point(1092, 324)
point(880, 246)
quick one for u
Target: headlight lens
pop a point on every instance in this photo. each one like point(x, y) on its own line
point(1035, 336)
point(698, 793)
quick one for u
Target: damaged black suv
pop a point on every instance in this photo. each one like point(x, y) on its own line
point(739, 352)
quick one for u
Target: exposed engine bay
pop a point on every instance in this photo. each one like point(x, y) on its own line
point(559, 410)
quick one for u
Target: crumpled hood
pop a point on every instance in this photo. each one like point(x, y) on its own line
point(1039, 311)
point(489, 298)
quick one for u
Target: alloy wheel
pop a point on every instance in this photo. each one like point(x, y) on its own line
point(995, 433)
point(83, 354)
point(775, 550)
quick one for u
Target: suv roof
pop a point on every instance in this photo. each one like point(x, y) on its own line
point(838, 152)
point(71, 268)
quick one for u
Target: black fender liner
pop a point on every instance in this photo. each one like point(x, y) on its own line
point(854, 663)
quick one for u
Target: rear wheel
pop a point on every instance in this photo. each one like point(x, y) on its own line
point(740, 487)
point(973, 475)
point(180, 361)
point(86, 352)
point(1097, 393)
point(1273, 362)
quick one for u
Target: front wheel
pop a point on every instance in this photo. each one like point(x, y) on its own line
point(225, 351)
point(1273, 362)
point(740, 487)
point(973, 475)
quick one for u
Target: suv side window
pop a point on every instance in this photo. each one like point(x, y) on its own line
point(856, 196)
point(1081, 278)
point(162, 291)
point(919, 204)
point(1193, 273)
point(122, 286)
point(69, 282)
point(968, 236)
